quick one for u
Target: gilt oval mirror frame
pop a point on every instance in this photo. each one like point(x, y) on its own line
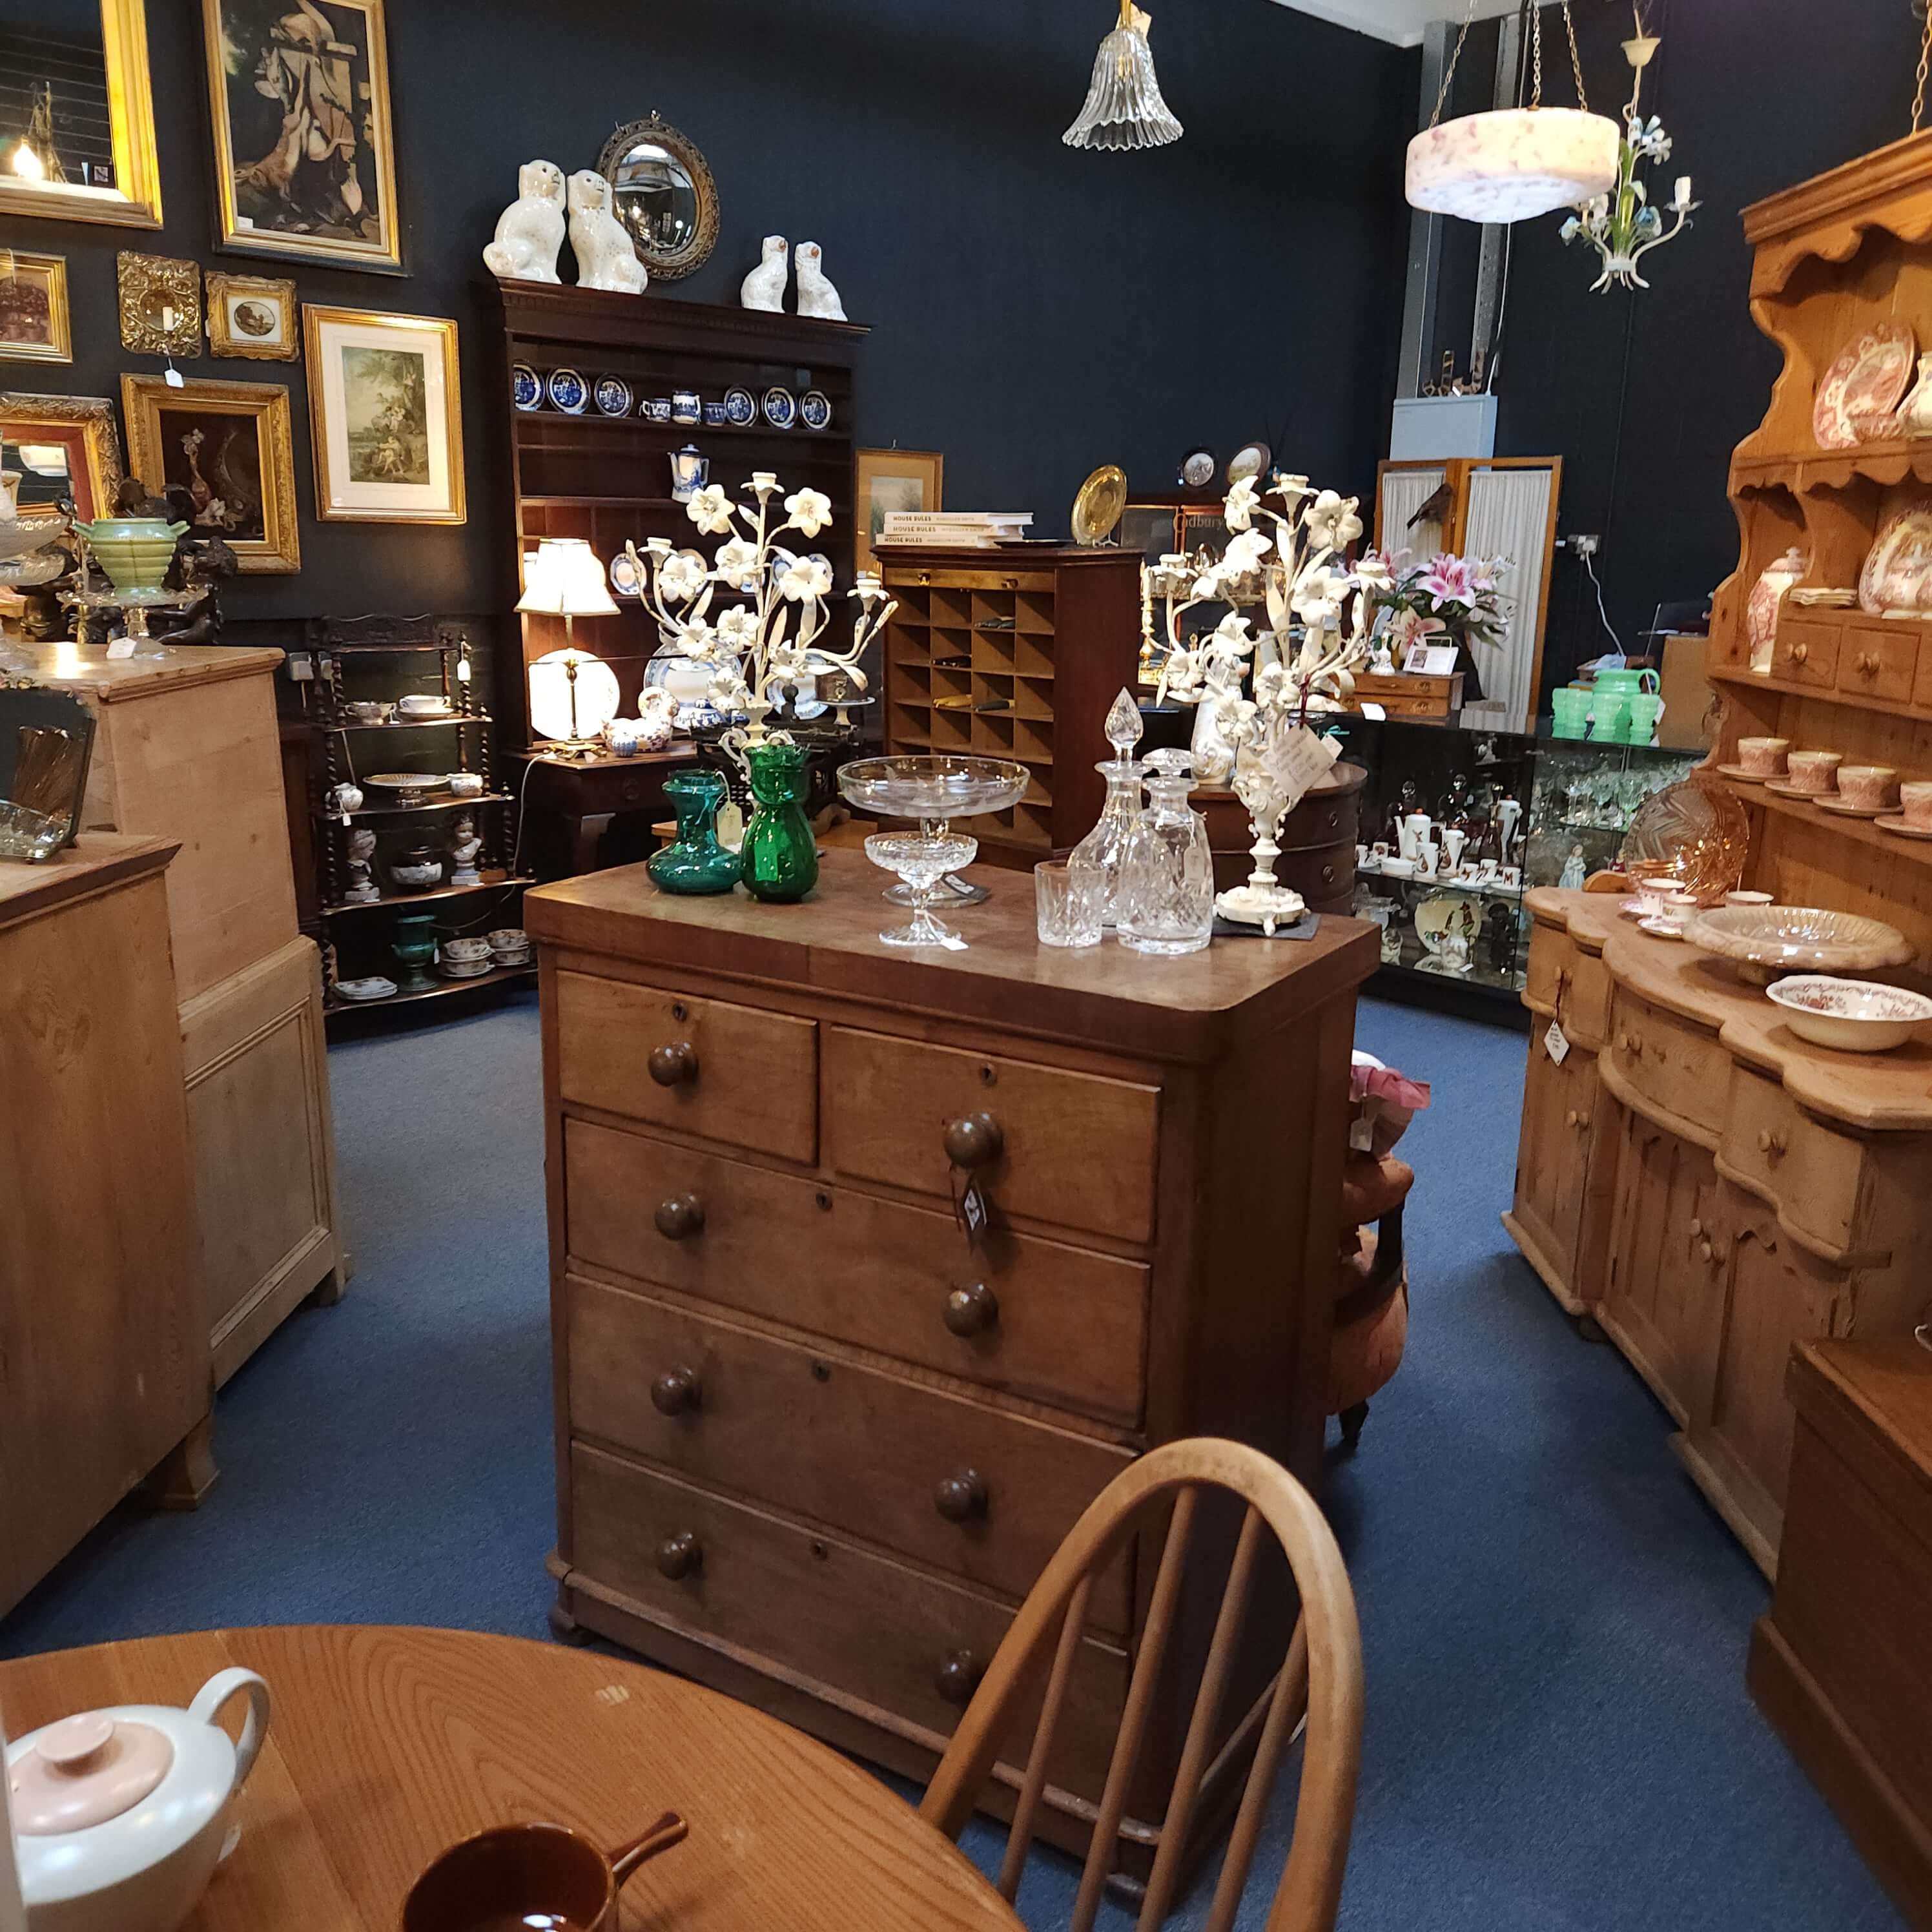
point(650, 154)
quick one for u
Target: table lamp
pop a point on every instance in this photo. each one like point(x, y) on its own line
point(563, 578)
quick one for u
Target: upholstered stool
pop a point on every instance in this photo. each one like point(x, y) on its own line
point(1371, 1287)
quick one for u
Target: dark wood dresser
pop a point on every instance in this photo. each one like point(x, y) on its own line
point(1842, 1666)
point(813, 1446)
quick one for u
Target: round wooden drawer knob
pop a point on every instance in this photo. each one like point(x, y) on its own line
point(974, 1141)
point(1799, 652)
point(680, 1217)
point(1868, 665)
point(1769, 1143)
point(958, 1677)
point(675, 1065)
point(1704, 1248)
point(960, 1497)
point(973, 1310)
point(680, 1556)
point(677, 1392)
point(1697, 1229)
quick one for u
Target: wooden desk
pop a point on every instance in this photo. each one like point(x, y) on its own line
point(812, 1446)
point(104, 1342)
point(386, 1745)
point(1710, 1188)
point(1842, 1666)
point(583, 795)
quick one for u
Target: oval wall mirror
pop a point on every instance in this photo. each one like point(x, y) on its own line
point(662, 192)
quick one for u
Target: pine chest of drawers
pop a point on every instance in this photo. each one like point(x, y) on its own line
point(813, 1444)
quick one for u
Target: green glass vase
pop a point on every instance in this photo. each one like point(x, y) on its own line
point(779, 861)
point(694, 862)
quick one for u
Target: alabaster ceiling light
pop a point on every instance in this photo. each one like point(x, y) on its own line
point(1123, 108)
point(1513, 163)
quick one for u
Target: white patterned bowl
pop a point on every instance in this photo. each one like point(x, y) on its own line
point(1766, 941)
point(1853, 1015)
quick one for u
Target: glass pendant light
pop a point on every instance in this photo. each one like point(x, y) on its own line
point(1514, 163)
point(1124, 107)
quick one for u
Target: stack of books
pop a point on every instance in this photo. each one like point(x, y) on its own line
point(956, 529)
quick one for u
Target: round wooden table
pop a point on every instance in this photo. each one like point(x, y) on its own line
point(388, 1745)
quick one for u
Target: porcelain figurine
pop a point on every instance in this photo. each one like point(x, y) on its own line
point(346, 798)
point(605, 259)
point(764, 286)
point(816, 296)
point(529, 232)
point(1574, 873)
point(361, 857)
point(465, 848)
point(657, 718)
point(121, 1815)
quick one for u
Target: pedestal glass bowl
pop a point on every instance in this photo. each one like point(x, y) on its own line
point(931, 790)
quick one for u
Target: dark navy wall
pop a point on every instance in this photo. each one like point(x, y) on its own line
point(1036, 311)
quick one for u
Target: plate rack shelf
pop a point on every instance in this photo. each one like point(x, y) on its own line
point(606, 478)
point(1834, 256)
point(1013, 653)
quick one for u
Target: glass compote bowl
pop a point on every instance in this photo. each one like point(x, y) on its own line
point(931, 790)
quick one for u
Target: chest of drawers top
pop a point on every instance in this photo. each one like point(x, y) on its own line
point(1196, 1008)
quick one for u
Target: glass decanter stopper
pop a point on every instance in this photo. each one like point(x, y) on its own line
point(1166, 893)
point(1104, 845)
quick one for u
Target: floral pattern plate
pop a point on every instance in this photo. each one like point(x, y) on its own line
point(741, 408)
point(626, 579)
point(1868, 377)
point(567, 391)
point(1897, 572)
point(527, 390)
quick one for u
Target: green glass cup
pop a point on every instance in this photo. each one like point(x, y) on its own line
point(694, 862)
point(779, 861)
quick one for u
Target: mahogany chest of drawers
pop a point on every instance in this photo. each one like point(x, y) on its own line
point(814, 1444)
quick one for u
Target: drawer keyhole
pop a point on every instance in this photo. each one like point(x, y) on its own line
point(821, 1372)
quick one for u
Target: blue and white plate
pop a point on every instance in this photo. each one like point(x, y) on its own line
point(525, 386)
point(626, 579)
point(815, 409)
point(740, 408)
point(567, 391)
point(613, 395)
point(781, 407)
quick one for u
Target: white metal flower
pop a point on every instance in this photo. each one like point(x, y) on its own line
point(710, 510)
point(810, 511)
point(809, 576)
point(1242, 499)
point(736, 565)
point(738, 628)
point(681, 576)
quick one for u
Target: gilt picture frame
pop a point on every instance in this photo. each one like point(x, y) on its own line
point(304, 152)
point(76, 451)
point(886, 480)
point(386, 414)
point(231, 447)
point(253, 316)
point(36, 324)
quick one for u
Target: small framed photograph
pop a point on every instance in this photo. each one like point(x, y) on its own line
point(1430, 660)
point(304, 158)
point(34, 321)
point(228, 447)
point(252, 316)
point(385, 416)
point(890, 480)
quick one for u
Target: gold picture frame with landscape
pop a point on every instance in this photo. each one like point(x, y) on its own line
point(305, 154)
point(385, 413)
point(886, 480)
point(231, 447)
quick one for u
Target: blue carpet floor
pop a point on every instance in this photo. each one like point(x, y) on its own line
point(1554, 1624)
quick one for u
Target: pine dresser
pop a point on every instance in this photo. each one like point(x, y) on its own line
point(814, 1443)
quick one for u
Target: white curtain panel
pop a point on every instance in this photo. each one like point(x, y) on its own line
point(1404, 492)
point(1509, 516)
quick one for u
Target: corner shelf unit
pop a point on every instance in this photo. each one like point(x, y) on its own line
point(605, 479)
point(1833, 255)
point(1014, 653)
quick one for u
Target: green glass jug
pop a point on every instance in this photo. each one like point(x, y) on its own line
point(779, 861)
point(694, 862)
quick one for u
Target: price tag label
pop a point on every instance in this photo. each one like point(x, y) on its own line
point(973, 1213)
point(1294, 760)
point(1362, 1133)
point(1558, 1043)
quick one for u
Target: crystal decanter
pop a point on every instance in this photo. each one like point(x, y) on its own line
point(1105, 845)
point(1167, 872)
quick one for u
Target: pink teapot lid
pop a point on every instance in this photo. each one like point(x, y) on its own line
point(84, 1771)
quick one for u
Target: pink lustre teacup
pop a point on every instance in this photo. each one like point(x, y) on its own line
point(1915, 803)
point(1813, 771)
point(1867, 786)
point(1763, 757)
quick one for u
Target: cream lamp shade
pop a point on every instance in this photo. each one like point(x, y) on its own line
point(1513, 164)
point(573, 693)
point(563, 578)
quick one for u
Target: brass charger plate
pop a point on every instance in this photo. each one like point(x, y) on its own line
point(1097, 507)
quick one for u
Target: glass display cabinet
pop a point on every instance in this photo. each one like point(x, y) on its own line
point(1457, 824)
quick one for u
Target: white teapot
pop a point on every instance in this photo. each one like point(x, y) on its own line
point(121, 1816)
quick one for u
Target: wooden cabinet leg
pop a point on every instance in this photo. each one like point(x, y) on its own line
point(1351, 1420)
point(327, 1291)
point(564, 1627)
point(187, 1473)
point(587, 840)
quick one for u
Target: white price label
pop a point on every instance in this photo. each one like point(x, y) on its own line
point(1558, 1043)
point(1296, 759)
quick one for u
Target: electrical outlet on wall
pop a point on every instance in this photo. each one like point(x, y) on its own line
point(1585, 546)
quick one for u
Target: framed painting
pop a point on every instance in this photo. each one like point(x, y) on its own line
point(62, 448)
point(304, 159)
point(35, 324)
point(77, 114)
point(386, 416)
point(889, 480)
point(227, 449)
point(251, 316)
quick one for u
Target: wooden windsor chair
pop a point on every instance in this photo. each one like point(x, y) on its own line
point(1322, 1674)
